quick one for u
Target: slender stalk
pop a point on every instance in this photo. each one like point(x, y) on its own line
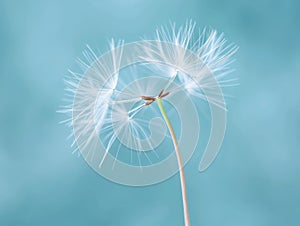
point(179, 161)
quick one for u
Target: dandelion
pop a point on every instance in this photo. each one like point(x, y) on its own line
point(123, 108)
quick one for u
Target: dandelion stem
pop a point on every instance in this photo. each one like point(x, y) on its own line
point(179, 161)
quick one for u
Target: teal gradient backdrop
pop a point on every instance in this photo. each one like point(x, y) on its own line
point(255, 179)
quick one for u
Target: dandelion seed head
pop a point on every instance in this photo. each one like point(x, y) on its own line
point(118, 131)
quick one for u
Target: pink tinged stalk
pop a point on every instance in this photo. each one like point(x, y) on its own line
point(179, 161)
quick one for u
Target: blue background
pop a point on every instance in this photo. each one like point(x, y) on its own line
point(255, 179)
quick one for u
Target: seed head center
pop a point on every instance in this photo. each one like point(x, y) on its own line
point(149, 100)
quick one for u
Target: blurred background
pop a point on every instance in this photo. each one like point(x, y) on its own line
point(254, 180)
